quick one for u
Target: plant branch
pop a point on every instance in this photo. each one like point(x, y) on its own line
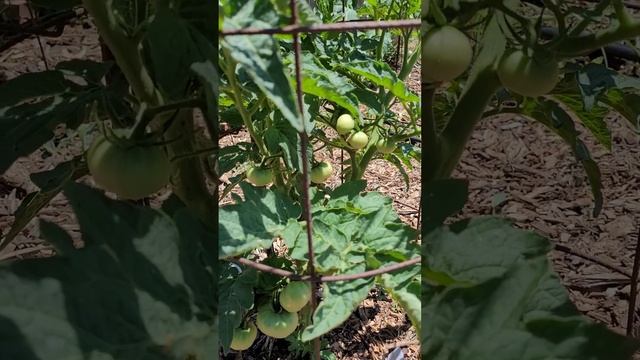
point(328, 278)
point(557, 12)
point(430, 137)
point(465, 117)
point(592, 258)
point(230, 70)
point(583, 44)
point(147, 114)
point(125, 51)
point(633, 292)
point(578, 29)
point(189, 178)
point(621, 13)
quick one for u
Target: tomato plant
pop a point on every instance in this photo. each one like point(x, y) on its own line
point(355, 92)
point(533, 60)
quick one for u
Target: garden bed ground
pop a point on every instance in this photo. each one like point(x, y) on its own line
point(519, 169)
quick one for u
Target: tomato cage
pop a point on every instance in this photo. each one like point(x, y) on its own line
point(295, 29)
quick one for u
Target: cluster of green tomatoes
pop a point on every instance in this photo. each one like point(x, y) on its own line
point(359, 139)
point(447, 53)
point(276, 324)
point(321, 171)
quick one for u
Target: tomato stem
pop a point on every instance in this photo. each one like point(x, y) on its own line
point(124, 49)
point(236, 91)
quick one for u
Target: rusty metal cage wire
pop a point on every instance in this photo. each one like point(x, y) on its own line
point(295, 29)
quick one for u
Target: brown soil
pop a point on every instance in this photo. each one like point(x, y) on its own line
point(541, 187)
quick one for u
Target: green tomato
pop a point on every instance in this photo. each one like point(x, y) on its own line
point(385, 146)
point(344, 124)
point(528, 76)
point(243, 338)
point(446, 53)
point(295, 296)
point(130, 171)
point(358, 140)
point(277, 325)
point(259, 176)
point(321, 172)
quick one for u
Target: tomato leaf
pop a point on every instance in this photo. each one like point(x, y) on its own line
point(626, 103)
point(132, 292)
point(405, 288)
point(340, 299)
point(281, 137)
point(258, 56)
point(229, 157)
point(594, 80)
point(51, 184)
point(328, 85)
point(504, 300)
point(236, 297)
point(255, 221)
point(346, 226)
point(174, 46)
point(33, 104)
point(592, 119)
point(381, 74)
point(550, 114)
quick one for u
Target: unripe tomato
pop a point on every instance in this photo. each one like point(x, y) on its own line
point(295, 296)
point(385, 146)
point(277, 325)
point(358, 140)
point(130, 171)
point(528, 76)
point(344, 124)
point(321, 172)
point(446, 53)
point(259, 176)
point(243, 338)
